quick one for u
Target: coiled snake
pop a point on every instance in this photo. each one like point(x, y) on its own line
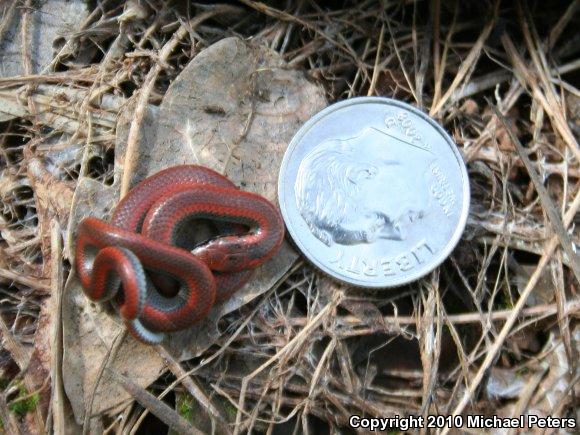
point(143, 258)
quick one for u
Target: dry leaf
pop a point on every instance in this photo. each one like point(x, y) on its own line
point(234, 108)
point(47, 21)
point(53, 199)
point(505, 383)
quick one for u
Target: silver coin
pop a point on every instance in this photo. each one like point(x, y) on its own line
point(374, 192)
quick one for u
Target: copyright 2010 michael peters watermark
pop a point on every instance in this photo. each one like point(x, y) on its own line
point(405, 423)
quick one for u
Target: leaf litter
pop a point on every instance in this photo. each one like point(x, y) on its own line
point(143, 85)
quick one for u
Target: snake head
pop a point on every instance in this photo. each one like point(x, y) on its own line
point(223, 255)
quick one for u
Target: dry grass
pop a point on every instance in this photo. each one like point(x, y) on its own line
point(501, 78)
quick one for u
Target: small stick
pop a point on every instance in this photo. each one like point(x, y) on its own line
point(284, 353)
point(109, 357)
point(547, 203)
point(544, 310)
point(158, 408)
point(29, 282)
point(376, 69)
point(498, 343)
point(56, 349)
point(193, 389)
point(468, 64)
point(164, 53)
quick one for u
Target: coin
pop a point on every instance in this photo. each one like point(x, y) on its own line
point(374, 192)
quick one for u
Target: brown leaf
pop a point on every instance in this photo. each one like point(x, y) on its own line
point(49, 20)
point(53, 199)
point(234, 108)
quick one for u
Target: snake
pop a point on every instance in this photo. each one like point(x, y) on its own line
point(144, 260)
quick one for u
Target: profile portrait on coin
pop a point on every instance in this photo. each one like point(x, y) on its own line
point(362, 189)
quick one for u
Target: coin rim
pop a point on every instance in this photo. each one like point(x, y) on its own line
point(444, 253)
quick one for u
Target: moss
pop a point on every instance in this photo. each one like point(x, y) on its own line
point(185, 406)
point(230, 409)
point(24, 403)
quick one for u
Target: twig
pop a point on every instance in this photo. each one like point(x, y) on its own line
point(468, 64)
point(21, 279)
point(193, 389)
point(542, 311)
point(71, 41)
point(401, 63)
point(147, 88)
point(546, 201)
point(498, 343)
point(109, 356)
point(56, 349)
point(376, 69)
point(228, 342)
point(155, 406)
point(284, 353)
point(16, 350)
point(546, 98)
point(8, 418)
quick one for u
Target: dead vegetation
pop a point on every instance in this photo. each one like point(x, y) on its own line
point(492, 331)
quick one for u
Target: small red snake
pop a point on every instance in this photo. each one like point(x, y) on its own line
point(167, 283)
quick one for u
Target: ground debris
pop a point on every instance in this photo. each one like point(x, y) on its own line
point(134, 87)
